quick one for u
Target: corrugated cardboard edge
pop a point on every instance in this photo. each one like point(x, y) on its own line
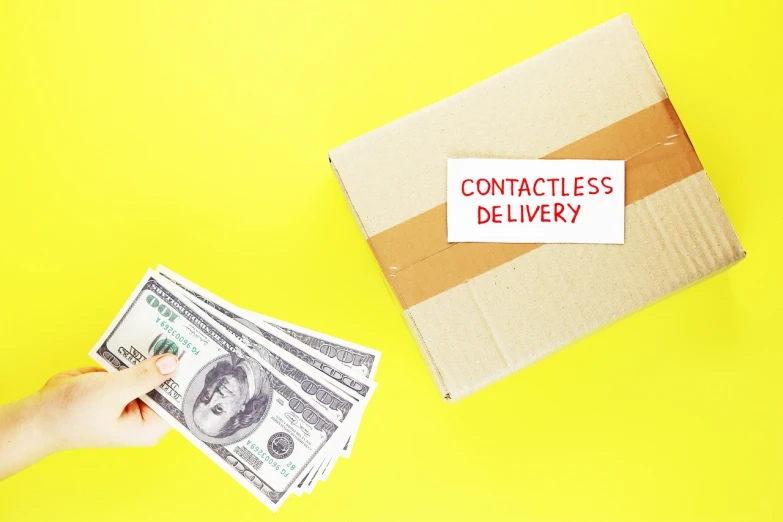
point(627, 17)
point(347, 196)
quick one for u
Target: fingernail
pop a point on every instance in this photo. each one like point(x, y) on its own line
point(167, 364)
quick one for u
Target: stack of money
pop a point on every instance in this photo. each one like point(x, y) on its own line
point(273, 404)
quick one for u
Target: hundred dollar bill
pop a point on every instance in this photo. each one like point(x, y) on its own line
point(352, 383)
point(332, 401)
point(356, 358)
point(230, 403)
point(355, 385)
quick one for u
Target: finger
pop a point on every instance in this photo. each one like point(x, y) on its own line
point(154, 425)
point(142, 426)
point(126, 385)
point(151, 418)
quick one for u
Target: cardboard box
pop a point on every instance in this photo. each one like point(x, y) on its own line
point(482, 311)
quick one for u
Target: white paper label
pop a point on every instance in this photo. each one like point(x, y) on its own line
point(536, 201)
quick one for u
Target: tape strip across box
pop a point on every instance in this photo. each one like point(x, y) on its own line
point(481, 311)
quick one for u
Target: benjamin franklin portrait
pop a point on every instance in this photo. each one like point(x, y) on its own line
point(227, 400)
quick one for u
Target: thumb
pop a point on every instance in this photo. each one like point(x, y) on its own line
point(127, 385)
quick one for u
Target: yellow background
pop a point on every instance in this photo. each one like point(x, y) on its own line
point(195, 134)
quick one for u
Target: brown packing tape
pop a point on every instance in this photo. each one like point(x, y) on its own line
point(420, 263)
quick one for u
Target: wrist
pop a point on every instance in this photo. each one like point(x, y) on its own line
point(35, 425)
point(24, 438)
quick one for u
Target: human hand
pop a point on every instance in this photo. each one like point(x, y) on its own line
point(84, 408)
point(90, 408)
